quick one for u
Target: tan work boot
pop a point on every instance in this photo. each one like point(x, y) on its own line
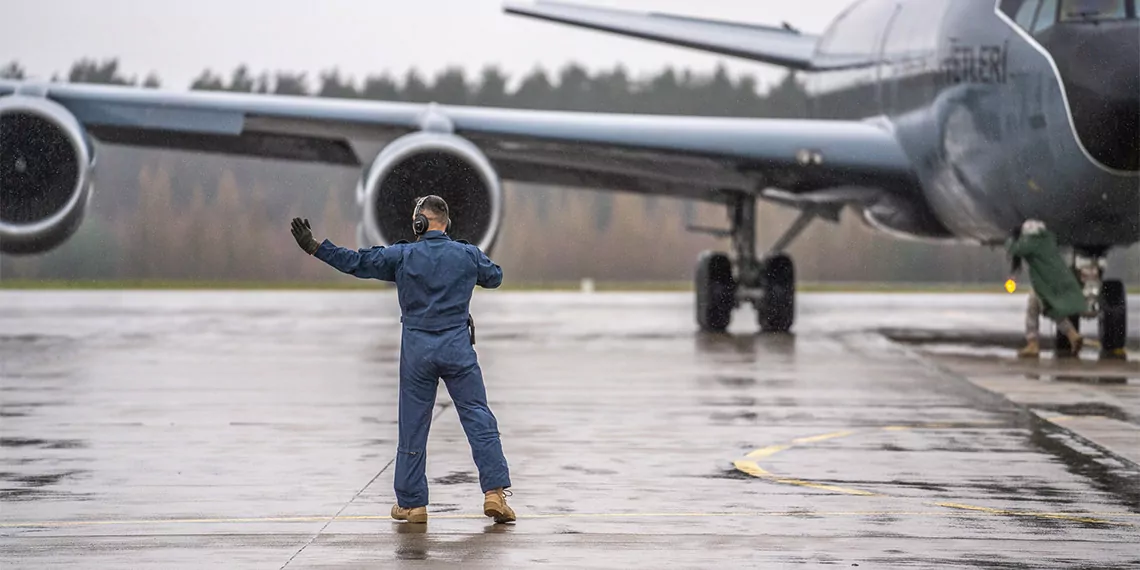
point(1031, 350)
point(416, 515)
point(495, 506)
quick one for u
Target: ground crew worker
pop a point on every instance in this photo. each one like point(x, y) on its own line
point(434, 278)
point(1055, 293)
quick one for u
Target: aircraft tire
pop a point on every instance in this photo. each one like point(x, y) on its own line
point(1112, 323)
point(716, 291)
point(776, 310)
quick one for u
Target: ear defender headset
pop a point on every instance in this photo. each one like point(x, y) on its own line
point(420, 221)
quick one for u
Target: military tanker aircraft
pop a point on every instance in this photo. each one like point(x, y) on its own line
point(949, 120)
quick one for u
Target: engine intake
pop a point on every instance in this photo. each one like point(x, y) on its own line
point(46, 161)
point(425, 163)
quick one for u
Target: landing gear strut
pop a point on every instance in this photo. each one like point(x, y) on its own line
point(725, 281)
point(1107, 302)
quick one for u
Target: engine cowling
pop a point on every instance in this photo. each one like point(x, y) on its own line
point(425, 163)
point(46, 161)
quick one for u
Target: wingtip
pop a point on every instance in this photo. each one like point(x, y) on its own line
point(529, 6)
point(513, 7)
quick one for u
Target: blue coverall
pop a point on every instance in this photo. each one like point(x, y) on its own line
point(434, 280)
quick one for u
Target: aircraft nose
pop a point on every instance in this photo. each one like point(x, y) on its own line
point(1100, 67)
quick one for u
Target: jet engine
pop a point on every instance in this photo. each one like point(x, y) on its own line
point(46, 161)
point(424, 163)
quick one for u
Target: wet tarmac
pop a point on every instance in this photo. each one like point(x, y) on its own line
point(256, 430)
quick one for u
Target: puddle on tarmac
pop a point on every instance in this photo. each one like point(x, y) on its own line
point(730, 473)
point(733, 402)
point(589, 471)
point(1084, 378)
point(31, 487)
point(735, 381)
point(455, 478)
point(731, 417)
point(1089, 409)
point(42, 443)
point(1105, 472)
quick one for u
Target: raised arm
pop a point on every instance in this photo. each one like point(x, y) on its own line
point(372, 263)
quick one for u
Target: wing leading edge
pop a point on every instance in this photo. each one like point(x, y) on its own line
point(783, 46)
point(690, 157)
point(779, 46)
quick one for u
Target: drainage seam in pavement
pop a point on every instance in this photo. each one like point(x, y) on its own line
point(358, 493)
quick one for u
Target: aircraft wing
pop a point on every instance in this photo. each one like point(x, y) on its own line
point(689, 157)
point(784, 46)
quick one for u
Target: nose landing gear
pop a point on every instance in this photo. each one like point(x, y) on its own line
point(1107, 302)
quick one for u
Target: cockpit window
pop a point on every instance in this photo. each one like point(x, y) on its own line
point(1025, 13)
point(1037, 16)
point(1046, 17)
point(1090, 10)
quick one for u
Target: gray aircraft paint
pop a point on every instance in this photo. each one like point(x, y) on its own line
point(958, 147)
point(992, 151)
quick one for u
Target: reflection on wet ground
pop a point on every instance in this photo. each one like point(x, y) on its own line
point(161, 430)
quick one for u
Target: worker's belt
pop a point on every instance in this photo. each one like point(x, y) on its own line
point(441, 323)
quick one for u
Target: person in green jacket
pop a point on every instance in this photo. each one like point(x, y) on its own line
point(1056, 293)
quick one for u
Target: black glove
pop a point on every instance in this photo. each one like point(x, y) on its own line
point(303, 233)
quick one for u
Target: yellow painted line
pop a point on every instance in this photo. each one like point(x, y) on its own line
point(1058, 516)
point(824, 437)
point(766, 451)
point(751, 468)
point(1057, 418)
point(835, 488)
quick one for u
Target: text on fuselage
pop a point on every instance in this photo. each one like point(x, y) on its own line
point(974, 64)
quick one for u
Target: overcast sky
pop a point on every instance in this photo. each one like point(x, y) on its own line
point(177, 39)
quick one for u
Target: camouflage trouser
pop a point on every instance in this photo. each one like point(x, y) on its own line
point(1033, 319)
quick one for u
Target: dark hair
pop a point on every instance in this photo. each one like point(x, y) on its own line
point(436, 207)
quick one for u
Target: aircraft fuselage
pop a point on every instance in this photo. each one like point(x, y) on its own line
point(1005, 114)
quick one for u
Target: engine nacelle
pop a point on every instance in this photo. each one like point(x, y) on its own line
point(46, 161)
point(425, 163)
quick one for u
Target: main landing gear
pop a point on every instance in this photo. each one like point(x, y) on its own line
point(723, 282)
point(1107, 302)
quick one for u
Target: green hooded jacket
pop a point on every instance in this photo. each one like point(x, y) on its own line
point(1059, 290)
